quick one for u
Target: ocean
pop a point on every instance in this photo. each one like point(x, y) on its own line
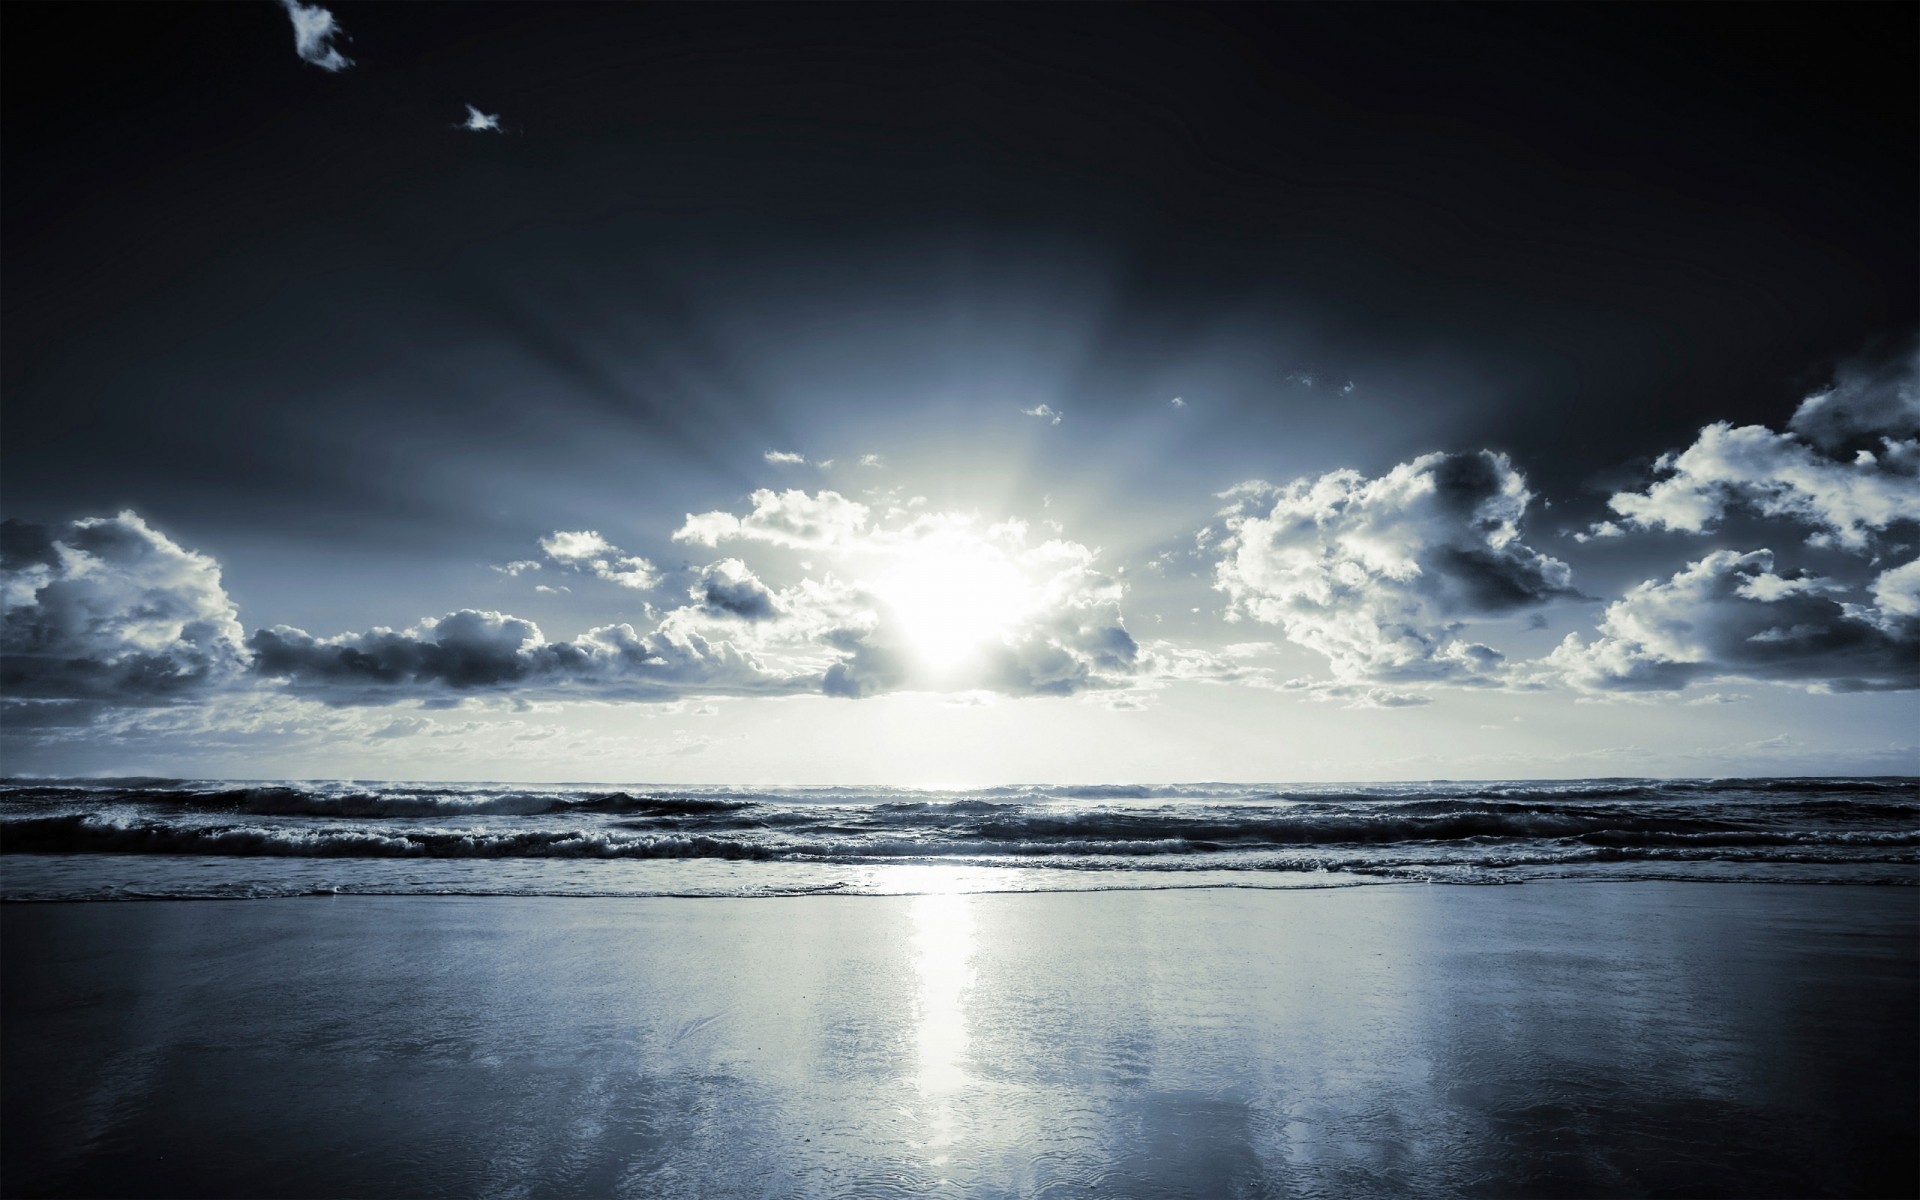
point(105, 839)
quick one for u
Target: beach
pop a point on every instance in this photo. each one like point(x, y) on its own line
point(1552, 1038)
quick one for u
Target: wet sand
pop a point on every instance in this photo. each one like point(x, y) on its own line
point(1543, 1040)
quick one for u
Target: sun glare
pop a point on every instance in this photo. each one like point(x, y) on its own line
point(951, 596)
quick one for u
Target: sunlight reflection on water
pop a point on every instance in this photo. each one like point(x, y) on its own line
point(943, 944)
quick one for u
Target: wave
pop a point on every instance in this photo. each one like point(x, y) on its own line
point(1482, 840)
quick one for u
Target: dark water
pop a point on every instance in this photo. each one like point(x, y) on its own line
point(104, 839)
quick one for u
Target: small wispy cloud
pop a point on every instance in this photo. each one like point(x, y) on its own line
point(1177, 402)
point(784, 457)
point(481, 122)
point(585, 550)
point(1046, 413)
point(313, 32)
point(872, 460)
point(515, 568)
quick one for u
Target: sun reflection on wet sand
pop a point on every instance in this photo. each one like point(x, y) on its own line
point(943, 953)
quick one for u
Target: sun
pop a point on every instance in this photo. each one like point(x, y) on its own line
point(950, 596)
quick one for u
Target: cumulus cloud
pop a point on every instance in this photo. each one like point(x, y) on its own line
point(1045, 412)
point(728, 588)
point(518, 567)
point(111, 609)
point(1378, 575)
point(873, 460)
point(473, 651)
point(793, 518)
point(1777, 475)
point(480, 122)
point(585, 550)
point(908, 598)
point(1732, 615)
point(1848, 467)
point(1178, 402)
point(784, 457)
point(313, 32)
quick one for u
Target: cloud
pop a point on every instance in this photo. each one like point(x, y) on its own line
point(1842, 469)
point(1730, 615)
point(1378, 574)
point(480, 122)
point(585, 550)
point(1177, 402)
point(313, 32)
point(936, 601)
point(1777, 475)
point(518, 567)
point(872, 460)
point(111, 609)
point(474, 651)
point(1356, 695)
point(728, 588)
point(793, 518)
point(1867, 399)
point(784, 457)
point(1050, 415)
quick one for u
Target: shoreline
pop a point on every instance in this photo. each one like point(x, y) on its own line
point(1611, 1039)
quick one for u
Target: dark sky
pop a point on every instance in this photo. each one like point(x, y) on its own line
point(230, 275)
point(304, 323)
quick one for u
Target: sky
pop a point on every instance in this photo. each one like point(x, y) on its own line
point(957, 395)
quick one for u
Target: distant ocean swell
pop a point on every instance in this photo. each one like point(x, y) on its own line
point(1827, 830)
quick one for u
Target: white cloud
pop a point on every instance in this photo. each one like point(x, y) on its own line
point(784, 457)
point(1046, 413)
point(911, 599)
point(1378, 574)
point(313, 32)
point(792, 518)
point(1842, 469)
point(1730, 615)
point(872, 460)
point(1177, 402)
point(109, 608)
point(1778, 475)
point(518, 567)
point(480, 122)
point(585, 550)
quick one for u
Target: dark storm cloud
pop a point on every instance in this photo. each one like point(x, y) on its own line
point(471, 651)
point(1731, 615)
point(1869, 399)
point(1378, 574)
point(108, 608)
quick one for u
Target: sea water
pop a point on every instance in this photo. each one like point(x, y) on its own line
point(169, 838)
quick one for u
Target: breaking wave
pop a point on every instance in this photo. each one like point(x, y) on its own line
point(1832, 830)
